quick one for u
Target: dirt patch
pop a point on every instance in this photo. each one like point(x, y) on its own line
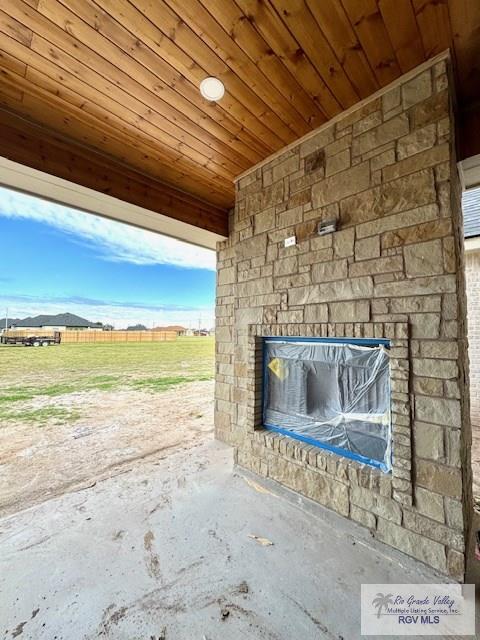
point(117, 429)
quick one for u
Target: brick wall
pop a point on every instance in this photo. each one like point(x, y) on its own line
point(472, 265)
point(386, 172)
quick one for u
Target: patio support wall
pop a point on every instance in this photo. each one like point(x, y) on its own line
point(394, 268)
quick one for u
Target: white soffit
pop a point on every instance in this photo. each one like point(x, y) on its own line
point(21, 178)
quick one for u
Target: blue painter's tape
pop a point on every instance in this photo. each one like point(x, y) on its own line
point(322, 445)
point(365, 342)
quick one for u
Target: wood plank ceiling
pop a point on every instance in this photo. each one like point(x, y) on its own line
point(121, 76)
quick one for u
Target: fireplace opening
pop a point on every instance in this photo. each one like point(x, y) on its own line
point(333, 393)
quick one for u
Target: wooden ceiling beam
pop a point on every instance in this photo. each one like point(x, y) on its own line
point(36, 147)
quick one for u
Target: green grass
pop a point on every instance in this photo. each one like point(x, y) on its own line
point(27, 373)
point(40, 417)
point(162, 384)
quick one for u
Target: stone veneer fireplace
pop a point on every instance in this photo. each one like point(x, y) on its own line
point(392, 270)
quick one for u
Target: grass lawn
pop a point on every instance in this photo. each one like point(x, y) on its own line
point(26, 373)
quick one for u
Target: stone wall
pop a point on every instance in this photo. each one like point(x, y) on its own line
point(386, 172)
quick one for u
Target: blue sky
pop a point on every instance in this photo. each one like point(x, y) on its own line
point(56, 259)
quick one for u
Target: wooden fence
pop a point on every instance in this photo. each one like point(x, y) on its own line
point(94, 337)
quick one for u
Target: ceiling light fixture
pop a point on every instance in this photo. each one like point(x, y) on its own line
point(212, 89)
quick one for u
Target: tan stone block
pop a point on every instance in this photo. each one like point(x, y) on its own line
point(376, 503)
point(338, 162)
point(341, 185)
point(453, 447)
point(315, 313)
point(408, 192)
point(252, 247)
point(285, 266)
point(361, 207)
point(424, 159)
point(417, 233)
point(365, 518)
point(428, 439)
point(286, 317)
point(433, 530)
point(255, 287)
point(389, 264)
point(439, 478)
point(391, 99)
point(428, 386)
point(449, 255)
point(454, 513)
point(416, 287)
point(450, 307)
point(423, 259)
point(289, 281)
point(441, 411)
point(430, 110)
point(300, 198)
point(340, 144)
point(264, 221)
point(327, 271)
point(413, 544)
point(359, 113)
point(418, 140)
point(435, 368)
point(390, 130)
point(368, 248)
point(286, 167)
point(354, 311)
point(397, 221)
point(317, 141)
point(289, 218)
point(343, 242)
point(311, 257)
point(429, 504)
point(318, 243)
point(417, 90)
point(382, 160)
point(226, 276)
point(351, 289)
point(415, 304)
point(439, 349)
point(368, 122)
point(456, 565)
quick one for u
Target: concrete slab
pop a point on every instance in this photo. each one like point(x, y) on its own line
point(164, 552)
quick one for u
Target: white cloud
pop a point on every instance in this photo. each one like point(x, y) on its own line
point(114, 241)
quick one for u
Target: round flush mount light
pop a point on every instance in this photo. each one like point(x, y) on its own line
point(212, 89)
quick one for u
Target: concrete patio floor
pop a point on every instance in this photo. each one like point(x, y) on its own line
point(163, 552)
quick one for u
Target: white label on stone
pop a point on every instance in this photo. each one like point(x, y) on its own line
point(289, 242)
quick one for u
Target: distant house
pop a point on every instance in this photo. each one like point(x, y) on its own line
point(59, 322)
point(179, 330)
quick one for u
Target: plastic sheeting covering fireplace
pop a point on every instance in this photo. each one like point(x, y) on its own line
point(332, 393)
